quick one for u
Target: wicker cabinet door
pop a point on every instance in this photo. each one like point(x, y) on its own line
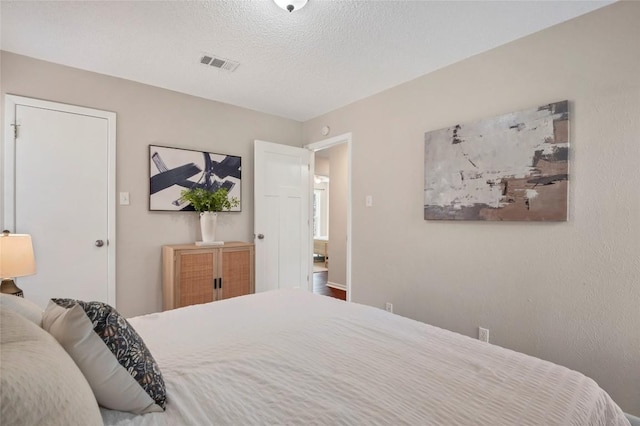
point(195, 273)
point(236, 271)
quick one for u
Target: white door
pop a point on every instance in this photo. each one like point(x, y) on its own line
point(59, 188)
point(282, 212)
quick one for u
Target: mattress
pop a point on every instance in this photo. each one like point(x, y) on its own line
point(288, 357)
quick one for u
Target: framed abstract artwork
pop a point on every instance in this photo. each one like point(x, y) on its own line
point(508, 168)
point(172, 170)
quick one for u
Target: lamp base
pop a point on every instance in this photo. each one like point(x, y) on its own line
point(9, 286)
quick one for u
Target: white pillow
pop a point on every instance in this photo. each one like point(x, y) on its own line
point(22, 306)
point(118, 366)
point(40, 383)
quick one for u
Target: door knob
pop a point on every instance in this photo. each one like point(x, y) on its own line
point(99, 243)
point(261, 236)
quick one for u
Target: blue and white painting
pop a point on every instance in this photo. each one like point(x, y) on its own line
point(512, 167)
point(173, 170)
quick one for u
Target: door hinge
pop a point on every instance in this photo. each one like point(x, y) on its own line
point(15, 130)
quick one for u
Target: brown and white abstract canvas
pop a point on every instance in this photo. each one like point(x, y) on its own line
point(511, 167)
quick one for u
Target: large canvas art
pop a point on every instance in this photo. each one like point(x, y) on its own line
point(173, 170)
point(511, 167)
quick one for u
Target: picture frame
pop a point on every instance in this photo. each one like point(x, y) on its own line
point(513, 167)
point(172, 170)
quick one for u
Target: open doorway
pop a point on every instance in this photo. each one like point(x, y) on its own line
point(320, 216)
point(331, 210)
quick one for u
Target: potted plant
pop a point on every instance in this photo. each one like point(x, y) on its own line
point(208, 204)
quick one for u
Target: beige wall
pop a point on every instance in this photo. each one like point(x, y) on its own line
point(150, 115)
point(565, 292)
point(321, 166)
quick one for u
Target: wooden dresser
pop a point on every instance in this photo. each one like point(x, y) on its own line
point(199, 274)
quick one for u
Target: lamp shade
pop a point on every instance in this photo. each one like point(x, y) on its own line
point(16, 255)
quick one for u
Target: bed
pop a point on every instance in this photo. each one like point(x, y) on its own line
point(289, 357)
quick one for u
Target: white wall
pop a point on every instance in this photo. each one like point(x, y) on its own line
point(566, 292)
point(150, 115)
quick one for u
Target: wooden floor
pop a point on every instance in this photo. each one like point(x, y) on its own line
point(320, 286)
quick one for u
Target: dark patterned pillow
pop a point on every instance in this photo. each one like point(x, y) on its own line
point(113, 357)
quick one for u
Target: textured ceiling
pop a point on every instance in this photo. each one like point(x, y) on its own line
point(296, 65)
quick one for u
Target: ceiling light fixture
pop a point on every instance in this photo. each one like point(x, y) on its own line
point(291, 5)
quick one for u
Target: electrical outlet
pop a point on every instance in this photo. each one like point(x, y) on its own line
point(388, 307)
point(483, 334)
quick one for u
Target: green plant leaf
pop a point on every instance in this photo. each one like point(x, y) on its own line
point(209, 201)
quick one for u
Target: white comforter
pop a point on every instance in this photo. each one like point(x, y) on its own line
point(294, 358)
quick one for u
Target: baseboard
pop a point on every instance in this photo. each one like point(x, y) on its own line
point(337, 286)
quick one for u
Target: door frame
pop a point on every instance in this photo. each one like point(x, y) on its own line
point(9, 156)
point(324, 144)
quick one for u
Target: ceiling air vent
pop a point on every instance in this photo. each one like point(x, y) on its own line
point(217, 62)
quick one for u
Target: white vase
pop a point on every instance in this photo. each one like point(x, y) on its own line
point(208, 222)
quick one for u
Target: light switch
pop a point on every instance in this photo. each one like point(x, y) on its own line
point(124, 198)
point(368, 201)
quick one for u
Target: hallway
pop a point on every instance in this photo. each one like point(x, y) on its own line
point(320, 286)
